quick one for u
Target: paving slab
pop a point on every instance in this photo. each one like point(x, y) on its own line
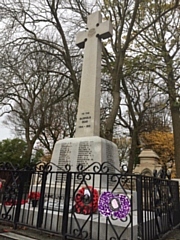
point(7, 232)
point(15, 236)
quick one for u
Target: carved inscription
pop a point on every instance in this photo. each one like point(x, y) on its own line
point(64, 158)
point(85, 153)
point(85, 120)
point(109, 150)
point(64, 154)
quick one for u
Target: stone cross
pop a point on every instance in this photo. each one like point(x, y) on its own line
point(88, 116)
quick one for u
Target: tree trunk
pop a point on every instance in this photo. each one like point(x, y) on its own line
point(29, 150)
point(175, 113)
point(111, 119)
point(174, 107)
point(133, 150)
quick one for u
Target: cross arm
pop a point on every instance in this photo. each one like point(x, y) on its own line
point(105, 30)
point(81, 39)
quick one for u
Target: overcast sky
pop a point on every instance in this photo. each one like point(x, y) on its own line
point(4, 132)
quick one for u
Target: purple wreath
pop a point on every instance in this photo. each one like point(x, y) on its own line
point(114, 204)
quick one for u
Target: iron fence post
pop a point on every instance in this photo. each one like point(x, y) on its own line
point(139, 207)
point(41, 200)
point(22, 177)
point(66, 205)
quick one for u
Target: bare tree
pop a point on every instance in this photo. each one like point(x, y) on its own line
point(44, 23)
point(62, 124)
point(54, 23)
point(123, 64)
point(160, 50)
point(32, 90)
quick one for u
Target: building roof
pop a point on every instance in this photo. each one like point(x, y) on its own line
point(148, 153)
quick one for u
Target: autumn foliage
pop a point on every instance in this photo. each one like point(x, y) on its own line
point(161, 142)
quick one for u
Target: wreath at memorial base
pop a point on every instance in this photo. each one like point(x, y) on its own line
point(86, 200)
point(118, 205)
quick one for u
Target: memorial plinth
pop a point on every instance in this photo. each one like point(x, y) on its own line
point(84, 151)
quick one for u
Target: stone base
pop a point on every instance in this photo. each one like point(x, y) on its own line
point(85, 151)
point(98, 223)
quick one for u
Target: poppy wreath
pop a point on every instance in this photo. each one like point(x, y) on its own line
point(86, 200)
point(117, 205)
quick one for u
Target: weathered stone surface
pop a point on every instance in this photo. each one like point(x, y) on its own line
point(87, 147)
point(88, 117)
point(85, 151)
point(148, 162)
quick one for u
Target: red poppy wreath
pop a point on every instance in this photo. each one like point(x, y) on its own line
point(86, 200)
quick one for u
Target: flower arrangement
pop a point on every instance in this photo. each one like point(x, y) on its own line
point(34, 195)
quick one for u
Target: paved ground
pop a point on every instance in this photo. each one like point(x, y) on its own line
point(173, 235)
point(7, 232)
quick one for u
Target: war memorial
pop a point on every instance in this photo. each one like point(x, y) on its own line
point(82, 193)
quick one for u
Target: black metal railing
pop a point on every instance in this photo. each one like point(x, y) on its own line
point(90, 203)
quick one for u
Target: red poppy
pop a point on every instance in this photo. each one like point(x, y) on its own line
point(34, 195)
point(86, 200)
point(10, 202)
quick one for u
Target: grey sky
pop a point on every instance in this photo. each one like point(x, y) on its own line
point(4, 132)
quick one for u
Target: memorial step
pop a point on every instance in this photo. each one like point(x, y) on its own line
point(14, 236)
